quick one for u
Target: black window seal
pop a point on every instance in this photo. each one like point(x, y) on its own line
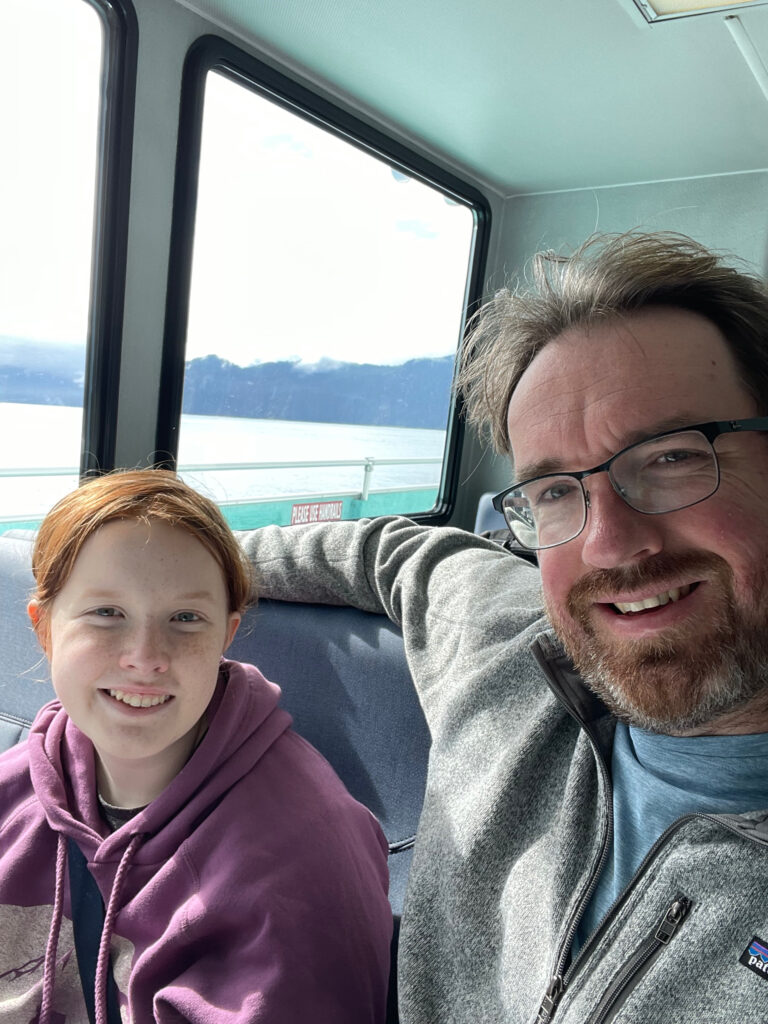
point(110, 235)
point(210, 53)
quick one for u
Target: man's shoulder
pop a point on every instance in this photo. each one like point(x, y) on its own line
point(490, 588)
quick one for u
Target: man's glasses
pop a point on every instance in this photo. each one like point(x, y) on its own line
point(665, 473)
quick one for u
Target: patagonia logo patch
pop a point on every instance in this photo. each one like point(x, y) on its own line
point(755, 957)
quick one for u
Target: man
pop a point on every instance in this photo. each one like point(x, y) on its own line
point(594, 840)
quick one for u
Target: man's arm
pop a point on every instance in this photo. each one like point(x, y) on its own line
point(389, 565)
point(461, 601)
point(328, 563)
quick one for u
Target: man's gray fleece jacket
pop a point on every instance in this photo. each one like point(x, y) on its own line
point(517, 816)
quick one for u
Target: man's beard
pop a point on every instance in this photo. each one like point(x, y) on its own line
point(697, 671)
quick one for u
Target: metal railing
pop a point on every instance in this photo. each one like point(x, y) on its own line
point(368, 465)
point(42, 471)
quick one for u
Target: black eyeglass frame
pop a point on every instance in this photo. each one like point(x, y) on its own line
point(710, 431)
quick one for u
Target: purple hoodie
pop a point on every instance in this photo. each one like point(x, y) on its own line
point(254, 888)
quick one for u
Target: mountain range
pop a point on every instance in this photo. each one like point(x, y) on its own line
point(412, 394)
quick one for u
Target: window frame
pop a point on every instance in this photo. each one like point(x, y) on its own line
point(212, 53)
point(110, 235)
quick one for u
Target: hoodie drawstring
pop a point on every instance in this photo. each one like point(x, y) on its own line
point(102, 961)
point(49, 970)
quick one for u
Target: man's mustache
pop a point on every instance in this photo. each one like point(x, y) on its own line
point(661, 568)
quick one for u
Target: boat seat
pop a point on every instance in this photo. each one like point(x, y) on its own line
point(488, 520)
point(491, 524)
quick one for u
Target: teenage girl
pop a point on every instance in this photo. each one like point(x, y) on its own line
point(240, 881)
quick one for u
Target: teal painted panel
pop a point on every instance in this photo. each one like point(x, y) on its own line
point(10, 524)
point(250, 515)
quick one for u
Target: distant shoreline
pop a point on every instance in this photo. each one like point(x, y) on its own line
point(415, 394)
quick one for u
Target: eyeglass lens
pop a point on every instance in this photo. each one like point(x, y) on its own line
point(659, 475)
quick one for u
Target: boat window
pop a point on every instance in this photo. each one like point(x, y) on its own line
point(327, 298)
point(52, 59)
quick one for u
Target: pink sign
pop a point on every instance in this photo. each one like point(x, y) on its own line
point(316, 512)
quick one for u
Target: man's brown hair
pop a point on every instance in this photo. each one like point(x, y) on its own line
point(608, 276)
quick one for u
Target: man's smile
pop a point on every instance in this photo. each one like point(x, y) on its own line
point(655, 601)
point(638, 616)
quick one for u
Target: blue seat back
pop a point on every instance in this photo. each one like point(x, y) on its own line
point(24, 679)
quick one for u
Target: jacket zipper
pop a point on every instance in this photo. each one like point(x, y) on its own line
point(557, 983)
point(560, 982)
point(561, 978)
point(661, 936)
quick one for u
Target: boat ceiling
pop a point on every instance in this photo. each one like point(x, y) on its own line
point(530, 95)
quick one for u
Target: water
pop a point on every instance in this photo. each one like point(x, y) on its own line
point(49, 436)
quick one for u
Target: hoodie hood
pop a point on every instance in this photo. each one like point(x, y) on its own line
point(63, 769)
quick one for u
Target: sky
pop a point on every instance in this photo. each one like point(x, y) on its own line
point(49, 84)
point(305, 247)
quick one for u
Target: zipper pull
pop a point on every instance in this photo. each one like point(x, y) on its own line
point(673, 918)
point(549, 1003)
